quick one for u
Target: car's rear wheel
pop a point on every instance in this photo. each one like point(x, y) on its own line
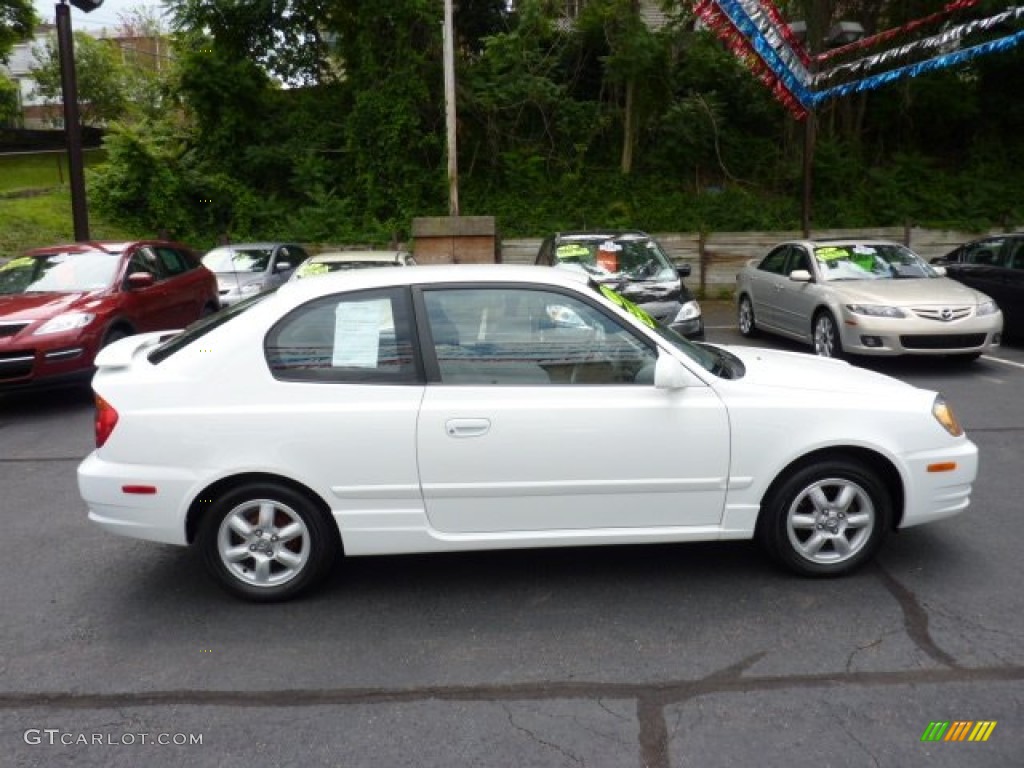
point(826, 519)
point(745, 317)
point(266, 542)
point(826, 336)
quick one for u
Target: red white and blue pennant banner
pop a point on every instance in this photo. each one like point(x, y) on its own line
point(756, 33)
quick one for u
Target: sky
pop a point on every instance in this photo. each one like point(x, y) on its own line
point(104, 16)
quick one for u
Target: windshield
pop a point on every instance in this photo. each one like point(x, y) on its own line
point(885, 261)
point(613, 258)
point(59, 273)
point(706, 357)
point(238, 259)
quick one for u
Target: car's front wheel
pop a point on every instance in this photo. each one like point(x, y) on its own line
point(267, 542)
point(826, 519)
point(745, 317)
point(826, 336)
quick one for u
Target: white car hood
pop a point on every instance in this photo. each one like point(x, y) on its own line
point(799, 370)
point(918, 291)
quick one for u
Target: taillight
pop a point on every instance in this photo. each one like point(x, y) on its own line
point(106, 420)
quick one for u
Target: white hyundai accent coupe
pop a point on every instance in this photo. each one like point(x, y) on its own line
point(490, 407)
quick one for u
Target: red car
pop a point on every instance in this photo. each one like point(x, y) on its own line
point(59, 305)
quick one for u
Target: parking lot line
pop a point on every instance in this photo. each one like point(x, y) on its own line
point(1001, 360)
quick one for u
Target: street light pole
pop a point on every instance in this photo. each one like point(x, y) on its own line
point(72, 125)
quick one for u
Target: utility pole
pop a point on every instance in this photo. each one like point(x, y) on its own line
point(449, 100)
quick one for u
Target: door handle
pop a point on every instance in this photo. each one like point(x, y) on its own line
point(467, 427)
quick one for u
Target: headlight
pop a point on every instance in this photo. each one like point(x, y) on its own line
point(987, 308)
point(688, 311)
point(943, 413)
point(875, 310)
point(66, 322)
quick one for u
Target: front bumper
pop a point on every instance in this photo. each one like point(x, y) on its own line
point(864, 335)
point(932, 495)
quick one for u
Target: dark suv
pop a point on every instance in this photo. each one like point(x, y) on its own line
point(993, 265)
point(634, 265)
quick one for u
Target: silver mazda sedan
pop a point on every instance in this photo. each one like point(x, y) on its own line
point(864, 297)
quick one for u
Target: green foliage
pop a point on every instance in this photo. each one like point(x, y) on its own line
point(549, 116)
point(17, 20)
point(8, 100)
point(110, 87)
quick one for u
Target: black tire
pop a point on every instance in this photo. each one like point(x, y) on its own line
point(243, 547)
point(114, 334)
point(745, 317)
point(826, 519)
point(825, 336)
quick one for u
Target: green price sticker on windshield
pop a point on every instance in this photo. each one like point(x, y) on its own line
point(629, 306)
point(572, 251)
point(831, 253)
point(24, 261)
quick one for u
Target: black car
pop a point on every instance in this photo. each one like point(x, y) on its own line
point(993, 265)
point(633, 264)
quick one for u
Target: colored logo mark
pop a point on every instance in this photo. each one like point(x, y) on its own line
point(959, 730)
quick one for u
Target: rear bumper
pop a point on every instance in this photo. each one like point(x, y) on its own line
point(158, 516)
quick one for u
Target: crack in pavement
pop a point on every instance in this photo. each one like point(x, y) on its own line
point(915, 618)
point(651, 698)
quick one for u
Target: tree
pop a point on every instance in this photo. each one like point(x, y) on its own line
point(102, 86)
point(17, 20)
point(113, 84)
point(8, 100)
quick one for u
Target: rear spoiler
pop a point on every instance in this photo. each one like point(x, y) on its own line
point(121, 353)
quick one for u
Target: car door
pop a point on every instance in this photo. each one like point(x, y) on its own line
point(1011, 296)
point(982, 267)
point(541, 414)
point(277, 273)
point(183, 284)
point(796, 299)
point(151, 307)
point(766, 282)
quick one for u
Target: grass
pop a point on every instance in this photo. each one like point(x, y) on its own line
point(46, 219)
point(35, 204)
point(42, 170)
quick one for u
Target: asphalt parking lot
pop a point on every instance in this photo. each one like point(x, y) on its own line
point(123, 653)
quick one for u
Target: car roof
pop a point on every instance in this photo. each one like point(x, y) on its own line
point(110, 246)
point(257, 244)
point(825, 242)
point(601, 234)
point(301, 290)
point(341, 256)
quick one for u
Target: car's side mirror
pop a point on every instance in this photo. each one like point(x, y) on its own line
point(800, 276)
point(669, 373)
point(138, 280)
point(683, 270)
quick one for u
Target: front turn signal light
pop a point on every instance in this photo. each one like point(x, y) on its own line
point(943, 413)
